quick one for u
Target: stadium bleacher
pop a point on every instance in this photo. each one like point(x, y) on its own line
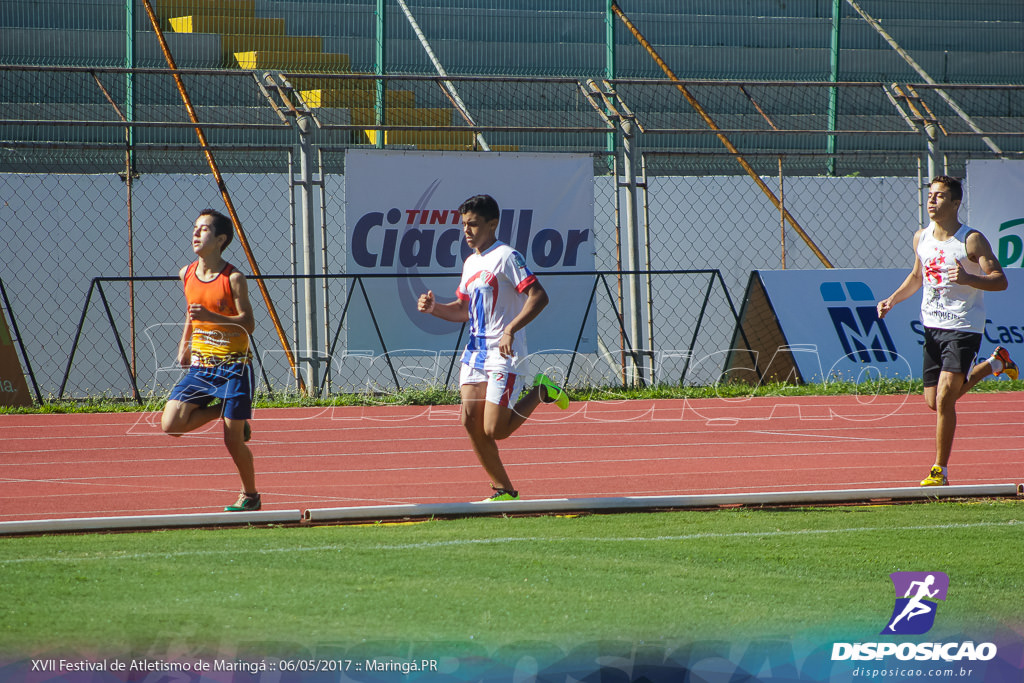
point(730, 40)
point(764, 39)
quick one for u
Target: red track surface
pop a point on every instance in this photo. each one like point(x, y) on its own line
point(65, 466)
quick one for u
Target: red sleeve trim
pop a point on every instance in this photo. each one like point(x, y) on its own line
point(461, 296)
point(527, 283)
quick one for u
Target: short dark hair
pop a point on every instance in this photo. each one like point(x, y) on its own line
point(955, 185)
point(222, 225)
point(483, 205)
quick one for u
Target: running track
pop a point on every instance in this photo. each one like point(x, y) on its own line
point(68, 466)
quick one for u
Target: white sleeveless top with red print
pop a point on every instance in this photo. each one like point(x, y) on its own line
point(949, 305)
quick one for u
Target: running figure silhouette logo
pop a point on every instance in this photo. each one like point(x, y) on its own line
point(916, 593)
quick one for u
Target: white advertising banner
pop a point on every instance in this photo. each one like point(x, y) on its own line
point(829, 321)
point(995, 205)
point(402, 219)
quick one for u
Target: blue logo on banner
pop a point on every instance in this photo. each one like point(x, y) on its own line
point(864, 337)
point(916, 593)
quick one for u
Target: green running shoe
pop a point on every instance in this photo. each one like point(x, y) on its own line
point(245, 503)
point(500, 495)
point(553, 393)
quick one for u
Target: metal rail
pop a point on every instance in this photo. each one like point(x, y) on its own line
point(600, 278)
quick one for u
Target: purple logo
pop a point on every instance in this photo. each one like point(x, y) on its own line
point(916, 595)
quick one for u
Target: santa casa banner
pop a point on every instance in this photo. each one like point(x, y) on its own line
point(828, 322)
point(994, 189)
point(402, 220)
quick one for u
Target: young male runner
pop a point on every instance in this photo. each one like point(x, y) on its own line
point(499, 296)
point(955, 265)
point(215, 347)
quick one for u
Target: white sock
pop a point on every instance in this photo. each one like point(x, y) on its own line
point(997, 365)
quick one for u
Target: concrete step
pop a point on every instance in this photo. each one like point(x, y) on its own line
point(204, 23)
point(397, 116)
point(105, 48)
point(293, 61)
point(235, 42)
point(318, 98)
point(165, 9)
point(425, 139)
point(348, 84)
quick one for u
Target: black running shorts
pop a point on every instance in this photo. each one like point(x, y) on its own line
point(948, 351)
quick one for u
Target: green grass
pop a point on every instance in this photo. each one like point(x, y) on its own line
point(442, 396)
point(486, 583)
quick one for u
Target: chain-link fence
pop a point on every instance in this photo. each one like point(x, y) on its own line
point(730, 177)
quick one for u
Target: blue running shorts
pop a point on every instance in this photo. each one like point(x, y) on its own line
point(231, 383)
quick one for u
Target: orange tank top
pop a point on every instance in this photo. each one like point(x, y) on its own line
point(214, 344)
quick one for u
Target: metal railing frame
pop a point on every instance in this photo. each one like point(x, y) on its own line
point(599, 278)
point(97, 284)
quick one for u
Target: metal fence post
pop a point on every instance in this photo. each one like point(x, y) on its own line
point(833, 77)
point(609, 70)
point(380, 69)
point(931, 131)
point(633, 246)
point(304, 124)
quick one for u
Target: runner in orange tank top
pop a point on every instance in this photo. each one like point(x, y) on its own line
point(214, 347)
point(215, 343)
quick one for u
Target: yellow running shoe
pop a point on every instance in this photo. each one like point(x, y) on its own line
point(553, 393)
point(935, 478)
point(1009, 367)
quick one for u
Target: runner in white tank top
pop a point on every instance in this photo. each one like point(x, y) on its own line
point(948, 305)
point(955, 266)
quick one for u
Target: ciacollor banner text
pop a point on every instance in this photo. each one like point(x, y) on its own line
point(402, 219)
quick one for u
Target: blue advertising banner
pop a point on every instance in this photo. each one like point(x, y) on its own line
point(829, 322)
